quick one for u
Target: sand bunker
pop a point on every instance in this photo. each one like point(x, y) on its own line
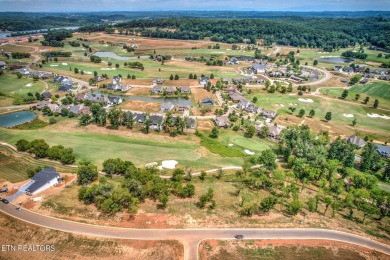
point(348, 115)
point(307, 100)
point(88, 72)
point(151, 165)
point(108, 68)
point(376, 116)
point(230, 145)
point(53, 65)
point(168, 164)
point(29, 85)
point(64, 63)
point(249, 152)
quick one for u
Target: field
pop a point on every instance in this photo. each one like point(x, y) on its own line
point(284, 249)
point(14, 165)
point(321, 106)
point(69, 246)
point(380, 89)
point(10, 85)
point(97, 144)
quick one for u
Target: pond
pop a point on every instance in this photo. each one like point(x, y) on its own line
point(104, 54)
point(16, 118)
point(5, 35)
point(335, 60)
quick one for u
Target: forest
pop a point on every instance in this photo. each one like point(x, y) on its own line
point(327, 33)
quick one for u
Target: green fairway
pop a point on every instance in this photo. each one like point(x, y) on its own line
point(254, 144)
point(98, 147)
point(10, 85)
point(379, 89)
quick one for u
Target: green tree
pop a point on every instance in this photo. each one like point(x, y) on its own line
point(344, 95)
point(294, 207)
point(311, 204)
point(163, 201)
point(315, 63)
point(86, 173)
point(328, 200)
point(301, 113)
point(267, 158)
point(366, 100)
point(214, 132)
point(22, 145)
point(268, 203)
point(115, 117)
point(67, 156)
point(171, 77)
point(328, 116)
point(357, 96)
point(370, 158)
point(39, 148)
point(354, 122)
point(376, 103)
point(250, 131)
point(202, 175)
point(312, 113)
point(85, 119)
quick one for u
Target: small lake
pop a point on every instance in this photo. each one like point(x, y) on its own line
point(16, 118)
point(104, 54)
point(5, 35)
point(335, 60)
point(173, 100)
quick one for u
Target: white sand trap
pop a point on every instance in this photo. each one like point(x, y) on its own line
point(281, 105)
point(230, 145)
point(380, 116)
point(292, 94)
point(150, 165)
point(53, 65)
point(249, 152)
point(29, 85)
point(105, 45)
point(88, 72)
point(307, 100)
point(64, 63)
point(168, 164)
point(108, 68)
point(348, 115)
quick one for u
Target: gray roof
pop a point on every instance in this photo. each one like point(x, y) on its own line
point(356, 140)
point(167, 106)
point(383, 149)
point(2, 63)
point(207, 101)
point(41, 178)
point(222, 120)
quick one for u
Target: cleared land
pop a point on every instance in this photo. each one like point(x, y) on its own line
point(69, 246)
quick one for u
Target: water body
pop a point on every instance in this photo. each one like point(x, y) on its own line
point(104, 54)
point(335, 60)
point(5, 35)
point(16, 118)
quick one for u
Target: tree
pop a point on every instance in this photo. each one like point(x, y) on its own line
point(147, 124)
point(264, 131)
point(67, 156)
point(366, 100)
point(202, 175)
point(211, 76)
point(163, 201)
point(22, 145)
point(315, 63)
point(328, 200)
point(268, 203)
point(177, 175)
point(344, 95)
point(86, 173)
point(370, 158)
point(376, 103)
point(328, 116)
point(294, 207)
point(312, 113)
point(109, 63)
point(301, 113)
point(254, 99)
point(39, 148)
point(267, 158)
point(85, 119)
point(355, 79)
point(171, 77)
point(214, 132)
point(357, 96)
point(311, 204)
point(250, 131)
point(114, 116)
point(176, 77)
point(354, 122)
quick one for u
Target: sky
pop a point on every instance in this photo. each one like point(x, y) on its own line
point(191, 5)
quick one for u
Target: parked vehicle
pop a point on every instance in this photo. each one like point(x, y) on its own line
point(5, 201)
point(239, 236)
point(18, 208)
point(4, 190)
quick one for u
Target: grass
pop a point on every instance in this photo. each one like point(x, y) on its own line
point(34, 124)
point(10, 85)
point(14, 165)
point(217, 147)
point(380, 89)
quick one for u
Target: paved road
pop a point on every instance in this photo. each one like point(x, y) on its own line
point(189, 237)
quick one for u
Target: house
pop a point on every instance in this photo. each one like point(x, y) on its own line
point(344, 80)
point(166, 107)
point(182, 107)
point(190, 122)
point(3, 65)
point(75, 109)
point(274, 131)
point(96, 97)
point(298, 79)
point(222, 121)
point(53, 107)
point(66, 86)
point(383, 150)
point(363, 81)
point(259, 68)
point(157, 89)
point(235, 96)
point(231, 88)
point(234, 61)
point(158, 81)
point(114, 100)
point(138, 117)
point(356, 140)
point(170, 90)
point(85, 111)
point(42, 104)
point(338, 68)
point(185, 89)
point(204, 80)
point(268, 113)
point(99, 78)
point(114, 87)
point(157, 122)
point(43, 180)
point(46, 95)
point(116, 79)
point(248, 106)
point(207, 101)
point(226, 80)
point(23, 71)
point(59, 78)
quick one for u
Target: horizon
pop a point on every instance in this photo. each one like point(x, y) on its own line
point(86, 6)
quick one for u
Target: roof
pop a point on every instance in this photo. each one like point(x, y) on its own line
point(41, 178)
point(207, 101)
point(46, 94)
point(2, 63)
point(222, 120)
point(184, 88)
point(356, 140)
point(383, 149)
point(167, 106)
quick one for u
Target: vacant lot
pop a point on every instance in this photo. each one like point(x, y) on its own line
point(69, 246)
point(137, 105)
point(284, 249)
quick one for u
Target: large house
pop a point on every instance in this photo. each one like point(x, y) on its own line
point(356, 140)
point(114, 100)
point(170, 90)
point(383, 150)
point(95, 97)
point(43, 180)
point(158, 81)
point(235, 96)
point(166, 107)
point(204, 80)
point(157, 122)
point(185, 89)
point(248, 106)
point(268, 113)
point(222, 121)
point(3, 65)
point(116, 80)
point(207, 101)
point(157, 89)
point(259, 68)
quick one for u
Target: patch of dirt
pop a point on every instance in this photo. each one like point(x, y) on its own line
point(138, 92)
point(200, 93)
point(138, 105)
point(205, 125)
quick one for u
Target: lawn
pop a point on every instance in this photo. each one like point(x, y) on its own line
point(98, 147)
point(379, 89)
point(10, 85)
point(14, 166)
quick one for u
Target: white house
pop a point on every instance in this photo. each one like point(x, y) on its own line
point(43, 180)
